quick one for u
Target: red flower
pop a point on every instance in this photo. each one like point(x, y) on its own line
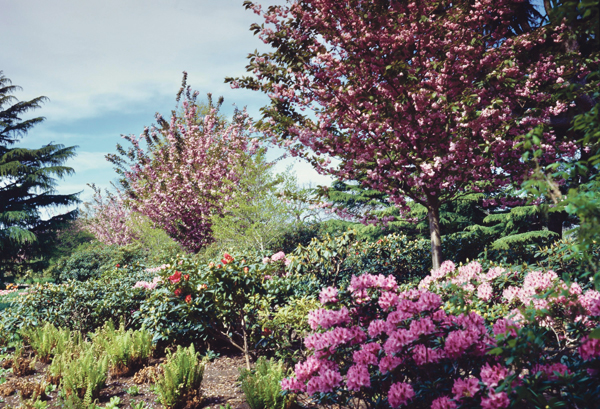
point(174, 279)
point(219, 266)
point(186, 277)
point(188, 298)
point(226, 258)
point(118, 265)
point(178, 292)
point(246, 270)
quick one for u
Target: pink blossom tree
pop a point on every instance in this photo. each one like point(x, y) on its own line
point(108, 218)
point(188, 170)
point(422, 100)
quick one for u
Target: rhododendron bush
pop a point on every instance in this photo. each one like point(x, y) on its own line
point(376, 345)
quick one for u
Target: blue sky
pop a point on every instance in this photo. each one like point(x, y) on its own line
point(108, 66)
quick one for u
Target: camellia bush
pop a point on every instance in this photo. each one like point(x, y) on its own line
point(375, 345)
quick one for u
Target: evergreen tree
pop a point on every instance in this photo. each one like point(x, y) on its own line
point(27, 184)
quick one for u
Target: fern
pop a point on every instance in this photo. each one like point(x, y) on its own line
point(181, 378)
point(262, 386)
point(48, 341)
point(126, 350)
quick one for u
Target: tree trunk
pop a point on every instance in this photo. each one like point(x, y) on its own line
point(555, 222)
point(433, 214)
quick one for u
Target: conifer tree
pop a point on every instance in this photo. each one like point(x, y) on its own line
point(27, 182)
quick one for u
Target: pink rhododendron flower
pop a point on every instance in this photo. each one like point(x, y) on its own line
point(443, 403)
point(328, 318)
point(590, 348)
point(493, 375)
point(495, 401)
point(280, 256)
point(364, 357)
point(325, 382)
point(484, 291)
point(358, 377)
point(389, 363)
point(465, 388)
point(399, 394)
point(551, 370)
point(328, 295)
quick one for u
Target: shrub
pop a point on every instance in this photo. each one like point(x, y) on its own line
point(83, 306)
point(378, 346)
point(127, 351)
point(95, 259)
point(262, 386)
point(181, 379)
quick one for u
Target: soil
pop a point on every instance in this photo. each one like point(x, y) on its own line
point(220, 386)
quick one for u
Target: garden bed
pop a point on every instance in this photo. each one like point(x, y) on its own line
point(220, 386)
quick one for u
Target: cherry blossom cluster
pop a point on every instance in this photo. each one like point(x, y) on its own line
point(110, 219)
point(190, 174)
point(425, 103)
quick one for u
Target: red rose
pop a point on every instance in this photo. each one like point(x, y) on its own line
point(188, 298)
point(178, 292)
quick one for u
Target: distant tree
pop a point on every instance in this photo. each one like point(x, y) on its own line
point(28, 178)
point(421, 100)
point(180, 173)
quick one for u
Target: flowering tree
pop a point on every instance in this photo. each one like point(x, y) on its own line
point(108, 219)
point(188, 171)
point(421, 100)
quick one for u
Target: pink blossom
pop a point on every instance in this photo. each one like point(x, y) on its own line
point(590, 348)
point(495, 401)
point(364, 357)
point(325, 382)
point(389, 363)
point(493, 375)
point(399, 394)
point(484, 291)
point(328, 295)
point(465, 388)
point(443, 403)
point(358, 377)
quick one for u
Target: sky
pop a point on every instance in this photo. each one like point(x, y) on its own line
point(108, 66)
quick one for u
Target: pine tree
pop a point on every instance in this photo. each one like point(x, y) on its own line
point(27, 183)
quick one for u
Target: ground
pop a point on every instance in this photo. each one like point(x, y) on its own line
point(220, 386)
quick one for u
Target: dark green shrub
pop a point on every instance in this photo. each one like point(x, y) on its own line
point(83, 306)
point(95, 259)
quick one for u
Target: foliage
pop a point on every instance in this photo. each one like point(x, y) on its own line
point(83, 306)
point(181, 379)
point(48, 341)
point(262, 385)
point(188, 170)
point(27, 185)
point(84, 374)
point(127, 351)
point(96, 259)
point(259, 216)
point(285, 326)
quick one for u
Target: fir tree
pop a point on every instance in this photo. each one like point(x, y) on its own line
point(27, 183)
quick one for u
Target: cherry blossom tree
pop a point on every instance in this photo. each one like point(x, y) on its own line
point(108, 218)
point(421, 100)
point(187, 171)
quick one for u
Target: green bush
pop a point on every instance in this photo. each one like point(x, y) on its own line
point(181, 379)
point(92, 260)
point(83, 306)
point(262, 386)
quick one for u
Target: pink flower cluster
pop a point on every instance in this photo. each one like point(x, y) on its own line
point(409, 329)
point(157, 269)
point(148, 285)
point(280, 256)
